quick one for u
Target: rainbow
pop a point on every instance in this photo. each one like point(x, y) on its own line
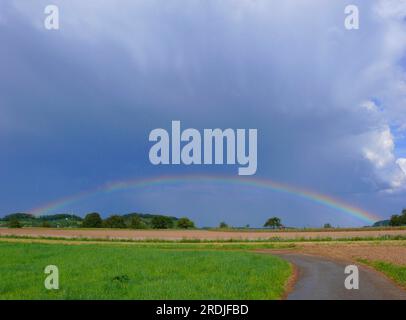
point(306, 194)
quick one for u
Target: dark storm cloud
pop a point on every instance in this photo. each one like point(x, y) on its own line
point(77, 104)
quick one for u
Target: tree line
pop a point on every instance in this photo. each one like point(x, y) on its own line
point(398, 219)
point(116, 221)
point(138, 221)
point(94, 220)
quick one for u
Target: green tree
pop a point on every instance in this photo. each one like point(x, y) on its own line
point(185, 223)
point(137, 223)
point(19, 216)
point(395, 220)
point(273, 223)
point(115, 221)
point(46, 224)
point(403, 217)
point(14, 223)
point(223, 225)
point(327, 226)
point(161, 222)
point(92, 220)
point(398, 220)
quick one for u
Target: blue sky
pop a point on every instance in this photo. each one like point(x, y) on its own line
point(77, 104)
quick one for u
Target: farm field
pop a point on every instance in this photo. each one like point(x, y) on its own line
point(183, 264)
point(388, 251)
point(200, 234)
point(123, 271)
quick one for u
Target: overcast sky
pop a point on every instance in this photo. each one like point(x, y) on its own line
point(77, 104)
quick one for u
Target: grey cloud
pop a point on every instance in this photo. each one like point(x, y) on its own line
point(114, 72)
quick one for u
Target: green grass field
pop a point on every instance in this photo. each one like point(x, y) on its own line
point(90, 271)
point(393, 271)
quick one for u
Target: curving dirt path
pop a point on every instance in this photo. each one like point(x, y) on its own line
point(323, 279)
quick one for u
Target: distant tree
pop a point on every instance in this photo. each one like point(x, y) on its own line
point(395, 220)
point(161, 222)
point(223, 225)
point(60, 216)
point(185, 223)
point(398, 220)
point(115, 221)
point(46, 224)
point(327, 226)
point(247, 226)
point(403, 216)
point(137, 223)
point(273, 223)
point(14, 223)
point(18, 216)
point(92, 220)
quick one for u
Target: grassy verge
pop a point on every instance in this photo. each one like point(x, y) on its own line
point(156, 245)
point(90, 271)
point(393, 271)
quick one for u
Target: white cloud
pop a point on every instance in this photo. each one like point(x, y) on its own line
point(380, 148)
point(402, 164)
point(391, 8)
point(370, 106)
